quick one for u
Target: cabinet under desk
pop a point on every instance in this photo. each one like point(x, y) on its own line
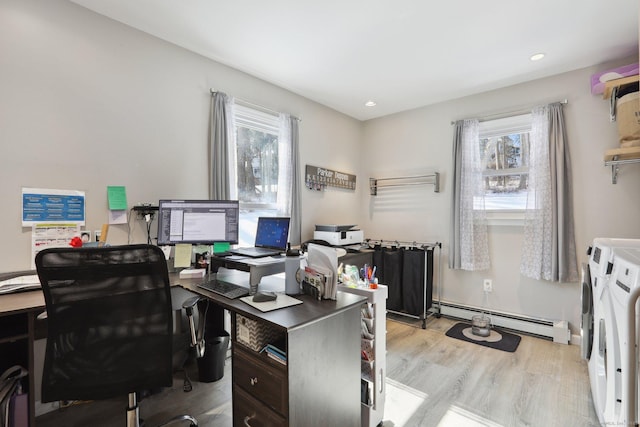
point(320, 383)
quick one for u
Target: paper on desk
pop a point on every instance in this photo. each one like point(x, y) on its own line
point(20, 283)
point(182, 255)
point(281, 301)
point(192, 273)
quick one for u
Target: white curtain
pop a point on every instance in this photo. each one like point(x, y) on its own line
point(548, 251)
point(283, 200)
point(469, 243)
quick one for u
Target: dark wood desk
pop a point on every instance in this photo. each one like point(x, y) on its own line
point(18, 314)
point(319, 386)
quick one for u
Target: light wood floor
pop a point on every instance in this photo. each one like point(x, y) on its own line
point(433, 380)
point(451, 383)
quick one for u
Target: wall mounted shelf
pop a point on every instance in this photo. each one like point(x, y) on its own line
point(620, 156)
point(403, 181)
point(611, 84)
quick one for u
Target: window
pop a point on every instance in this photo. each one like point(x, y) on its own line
point(504, 152)
point(257, 157)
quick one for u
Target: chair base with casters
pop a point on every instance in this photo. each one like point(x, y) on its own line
point(133, 415)
point(110, 324)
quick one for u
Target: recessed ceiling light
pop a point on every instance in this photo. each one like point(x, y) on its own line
point(370, 104)
point(537, 56)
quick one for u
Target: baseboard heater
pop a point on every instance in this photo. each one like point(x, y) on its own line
point(538, 327)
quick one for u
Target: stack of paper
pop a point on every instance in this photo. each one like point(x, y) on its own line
point(21, 283)
point(192, 273)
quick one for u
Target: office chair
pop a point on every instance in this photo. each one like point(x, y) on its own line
point(110, 324)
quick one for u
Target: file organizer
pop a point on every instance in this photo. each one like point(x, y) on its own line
point(373, 353)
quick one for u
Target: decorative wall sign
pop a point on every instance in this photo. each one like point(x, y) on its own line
point(317, 178)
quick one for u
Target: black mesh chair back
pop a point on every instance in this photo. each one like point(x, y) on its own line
point(109, 319)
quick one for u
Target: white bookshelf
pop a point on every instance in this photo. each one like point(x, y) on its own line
point(374, 344)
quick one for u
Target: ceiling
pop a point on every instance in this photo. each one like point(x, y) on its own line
point(402, 54)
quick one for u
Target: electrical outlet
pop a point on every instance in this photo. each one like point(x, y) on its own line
point(488, 285)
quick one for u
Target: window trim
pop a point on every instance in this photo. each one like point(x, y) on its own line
point(505, 217)
point(506, 172)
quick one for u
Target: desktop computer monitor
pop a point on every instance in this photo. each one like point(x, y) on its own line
point(200, 222)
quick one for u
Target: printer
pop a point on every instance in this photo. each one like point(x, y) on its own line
point(339, 235)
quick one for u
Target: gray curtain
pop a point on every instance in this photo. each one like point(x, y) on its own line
point(469, 241)
point(219, 187)
point(549, 251)
point(295, 228)
point(454, 227)
point(564, 261)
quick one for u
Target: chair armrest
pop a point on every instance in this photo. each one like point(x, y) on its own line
point(189, 304)
point(197, 333)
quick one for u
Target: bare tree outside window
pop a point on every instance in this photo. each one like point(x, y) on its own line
point(257, 166)
point(505, 164)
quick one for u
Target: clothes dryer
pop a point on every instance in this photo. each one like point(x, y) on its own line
point(624, 287)
point(586, 320)
point(604, 361)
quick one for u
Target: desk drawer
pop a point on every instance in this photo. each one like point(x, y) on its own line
point(248, 411)
point(262, 381)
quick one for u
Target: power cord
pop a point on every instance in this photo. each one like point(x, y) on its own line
point(147, 213)
point(486, 309)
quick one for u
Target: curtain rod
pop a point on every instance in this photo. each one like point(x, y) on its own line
point(511, 113)
point(244, 101)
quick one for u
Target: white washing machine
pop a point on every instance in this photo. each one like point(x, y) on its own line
point(599, 344)
point(624, 286)
point(600, 256)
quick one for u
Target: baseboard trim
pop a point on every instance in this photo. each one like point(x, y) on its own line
point(542, 328)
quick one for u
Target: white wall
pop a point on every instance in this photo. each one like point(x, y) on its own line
point(86, 102)
point(421, 140)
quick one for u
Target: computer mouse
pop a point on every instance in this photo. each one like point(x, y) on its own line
point(264, 296)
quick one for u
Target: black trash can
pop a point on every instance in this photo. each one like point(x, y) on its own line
point(211, 365)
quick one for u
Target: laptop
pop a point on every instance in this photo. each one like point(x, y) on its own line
point(272, 236)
